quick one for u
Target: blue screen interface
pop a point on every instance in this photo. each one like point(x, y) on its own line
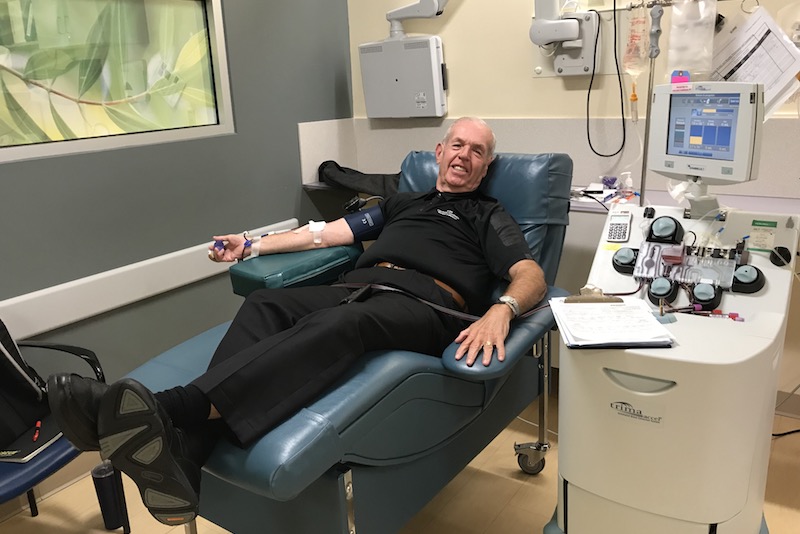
point(703, 125)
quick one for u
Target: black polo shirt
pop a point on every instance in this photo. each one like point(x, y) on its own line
point(466, 240)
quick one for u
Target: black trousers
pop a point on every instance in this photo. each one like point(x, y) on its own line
point(286, 346)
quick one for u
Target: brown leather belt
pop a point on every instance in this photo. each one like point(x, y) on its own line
point(458, 299)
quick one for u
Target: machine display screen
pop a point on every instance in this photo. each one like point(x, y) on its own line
point(703, 125)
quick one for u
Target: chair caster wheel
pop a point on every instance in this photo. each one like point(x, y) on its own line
point(530, 468)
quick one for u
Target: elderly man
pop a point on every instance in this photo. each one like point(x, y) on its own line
point(447, 246)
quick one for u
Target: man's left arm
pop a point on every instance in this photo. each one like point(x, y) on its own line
point(527, 287)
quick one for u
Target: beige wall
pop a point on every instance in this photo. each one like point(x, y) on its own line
point(490, 58)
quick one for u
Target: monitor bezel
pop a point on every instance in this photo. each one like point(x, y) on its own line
point(747, 140)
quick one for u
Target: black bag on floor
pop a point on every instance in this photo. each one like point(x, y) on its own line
point(23, 394)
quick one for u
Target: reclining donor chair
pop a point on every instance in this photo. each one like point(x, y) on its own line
point(374, 449)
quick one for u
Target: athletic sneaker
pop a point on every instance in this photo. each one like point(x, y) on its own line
point(137, 436)
point(74, 402)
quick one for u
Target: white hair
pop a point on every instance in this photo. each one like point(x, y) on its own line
point(476, 120)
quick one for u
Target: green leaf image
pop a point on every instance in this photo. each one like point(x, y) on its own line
point(99, 38)
point(199, 96)
point(118, 53)
point(167, 86)
point(126, 117)
point(62, 126)
point(194, 51)
point(166, 35)
point(48, 64)
point(22, 120)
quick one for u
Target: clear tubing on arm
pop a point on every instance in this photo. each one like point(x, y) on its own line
point(635, 57)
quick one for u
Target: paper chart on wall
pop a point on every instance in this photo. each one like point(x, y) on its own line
point(755, 49)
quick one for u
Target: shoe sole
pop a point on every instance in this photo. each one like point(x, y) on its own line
point(79, 430)
point(133, 437)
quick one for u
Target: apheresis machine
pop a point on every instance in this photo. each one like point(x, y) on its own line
point(675, 440)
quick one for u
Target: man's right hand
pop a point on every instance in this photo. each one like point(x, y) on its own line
point(232, 248)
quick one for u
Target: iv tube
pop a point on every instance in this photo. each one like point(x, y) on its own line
point(634, 60)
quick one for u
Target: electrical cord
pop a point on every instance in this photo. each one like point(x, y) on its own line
point(356, 203)
point(626, 294)
point(797, 430)
point(587, 195)
point(782, 434)
point(789, 396)
point(621, 91)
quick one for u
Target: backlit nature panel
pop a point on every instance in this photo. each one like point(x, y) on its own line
point(77, 69)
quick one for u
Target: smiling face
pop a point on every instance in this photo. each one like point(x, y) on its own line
point(464, 156)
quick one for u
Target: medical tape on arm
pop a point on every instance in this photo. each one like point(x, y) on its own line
point(255, 248)
point(316, 228)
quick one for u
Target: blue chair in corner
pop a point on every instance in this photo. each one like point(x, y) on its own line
point(21, 478)
point(369, 453)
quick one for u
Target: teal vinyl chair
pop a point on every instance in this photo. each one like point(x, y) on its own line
point(373, 450)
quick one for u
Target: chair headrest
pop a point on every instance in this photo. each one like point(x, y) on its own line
point(533, 188)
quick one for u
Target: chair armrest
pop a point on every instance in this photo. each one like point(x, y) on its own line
point(293, 269)
point(85, 354)
point(523, 335)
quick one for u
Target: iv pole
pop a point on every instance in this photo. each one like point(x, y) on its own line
point(655, 32)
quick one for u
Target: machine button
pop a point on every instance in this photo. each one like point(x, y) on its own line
point(746, 274)
point(662, 288)
point(624, 260)
point(706, 295)
point(665, 230)
point(748, 279)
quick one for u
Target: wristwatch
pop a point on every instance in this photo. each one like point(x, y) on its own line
point(511, 302)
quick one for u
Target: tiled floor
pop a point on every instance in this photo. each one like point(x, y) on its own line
point(490, 496)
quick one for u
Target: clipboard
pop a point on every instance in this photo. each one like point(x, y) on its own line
point(595, 321)
point(576, 299)
point(591, 294)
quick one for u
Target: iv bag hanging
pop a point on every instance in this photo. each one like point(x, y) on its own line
point(691, 38)
point(635, 57)
point(636, 47)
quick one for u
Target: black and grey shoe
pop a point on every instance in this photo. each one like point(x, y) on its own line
point(139, 439)
point(74, 402)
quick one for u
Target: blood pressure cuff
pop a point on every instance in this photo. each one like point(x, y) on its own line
point(365, 224)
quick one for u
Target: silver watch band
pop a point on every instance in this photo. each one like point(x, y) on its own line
point(511, 302)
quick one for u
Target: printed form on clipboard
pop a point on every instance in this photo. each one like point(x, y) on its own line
point(625, 323)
